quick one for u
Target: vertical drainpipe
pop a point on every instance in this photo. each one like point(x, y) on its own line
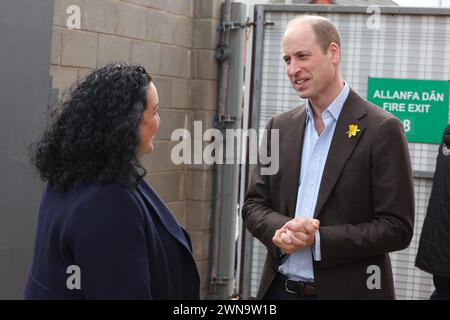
point(230, 55)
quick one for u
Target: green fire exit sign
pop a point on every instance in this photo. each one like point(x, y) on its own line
point(421, 105)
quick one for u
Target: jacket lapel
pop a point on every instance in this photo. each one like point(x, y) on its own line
point(292, 149)
point(342, 146)
point(163, 213)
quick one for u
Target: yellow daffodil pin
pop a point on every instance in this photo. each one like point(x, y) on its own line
point(352, 130)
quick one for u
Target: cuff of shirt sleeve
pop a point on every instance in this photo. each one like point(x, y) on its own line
point(316, 248)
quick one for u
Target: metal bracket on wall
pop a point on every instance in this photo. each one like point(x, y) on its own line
point(223, 50)
point(225, 26)
point(220, 280)
point(233, 25)
point(225, 118)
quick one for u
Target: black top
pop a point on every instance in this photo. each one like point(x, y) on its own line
point(434, 247)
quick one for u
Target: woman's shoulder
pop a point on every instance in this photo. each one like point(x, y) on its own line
point(103, 202)
point(94, 192)
point(92, 196)
point(89, 190)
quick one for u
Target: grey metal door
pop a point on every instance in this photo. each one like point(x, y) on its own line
point(25, 43)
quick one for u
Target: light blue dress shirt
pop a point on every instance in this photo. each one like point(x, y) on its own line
point(299, 265)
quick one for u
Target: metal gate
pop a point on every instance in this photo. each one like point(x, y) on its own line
point(410, 43)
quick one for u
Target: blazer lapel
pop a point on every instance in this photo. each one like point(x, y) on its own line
point(342, 146)
point(292, 149)
point(163, 213)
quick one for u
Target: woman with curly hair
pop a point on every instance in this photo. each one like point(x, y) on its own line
point(103, 233)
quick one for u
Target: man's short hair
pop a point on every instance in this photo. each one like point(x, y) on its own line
point(323, 28)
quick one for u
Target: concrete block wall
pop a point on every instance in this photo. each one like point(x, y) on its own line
point(175, 40)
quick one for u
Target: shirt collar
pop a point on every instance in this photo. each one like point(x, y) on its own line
point(335, 107)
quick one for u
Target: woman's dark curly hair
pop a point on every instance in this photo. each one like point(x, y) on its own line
point(95, 134)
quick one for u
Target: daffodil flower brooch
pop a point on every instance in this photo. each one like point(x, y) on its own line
point(353, 130)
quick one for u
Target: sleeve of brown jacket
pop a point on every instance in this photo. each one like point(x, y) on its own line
point(258, 216)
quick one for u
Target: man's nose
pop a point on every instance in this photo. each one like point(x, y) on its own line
point(293, 68)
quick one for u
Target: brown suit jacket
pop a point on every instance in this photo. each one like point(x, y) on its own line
point(365, 203)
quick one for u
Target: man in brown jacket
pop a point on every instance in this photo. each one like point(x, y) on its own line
point(343, 197)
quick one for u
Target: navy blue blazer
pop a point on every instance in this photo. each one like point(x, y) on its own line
point(126, 244)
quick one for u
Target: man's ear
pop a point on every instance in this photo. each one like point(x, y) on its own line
point(335, 52)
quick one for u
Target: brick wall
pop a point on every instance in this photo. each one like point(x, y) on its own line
point(175, 40)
